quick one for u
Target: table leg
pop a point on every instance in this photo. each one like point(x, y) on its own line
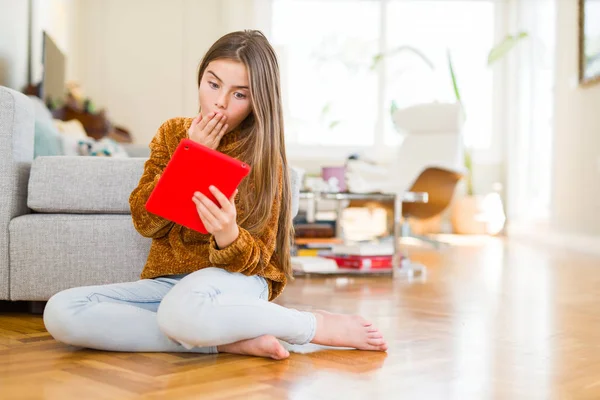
point(402, 266)
point(311, 209)
point(339, 229)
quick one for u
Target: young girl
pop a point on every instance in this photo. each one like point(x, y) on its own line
point(212, 293)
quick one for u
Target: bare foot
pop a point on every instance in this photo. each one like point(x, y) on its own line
point(262, 346)
point(340, 330)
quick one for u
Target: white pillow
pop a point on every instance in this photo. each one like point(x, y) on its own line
point(72, 128)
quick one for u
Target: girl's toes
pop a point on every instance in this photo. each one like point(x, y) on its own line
point(376, 341)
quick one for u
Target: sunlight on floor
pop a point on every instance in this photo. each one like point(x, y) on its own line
point(452, 240)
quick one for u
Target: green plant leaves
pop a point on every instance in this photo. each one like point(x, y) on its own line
point(506, 45)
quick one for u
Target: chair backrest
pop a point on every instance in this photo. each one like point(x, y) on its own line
point(432, 139)
point(440, 184)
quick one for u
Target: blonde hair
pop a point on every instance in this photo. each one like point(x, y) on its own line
point(263, 139)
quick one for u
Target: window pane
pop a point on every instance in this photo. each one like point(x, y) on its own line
point(466, 29)
point(325, 48)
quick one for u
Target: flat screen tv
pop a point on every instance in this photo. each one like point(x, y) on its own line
point(52, 88)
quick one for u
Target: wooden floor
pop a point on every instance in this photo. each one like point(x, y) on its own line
point(493, 320)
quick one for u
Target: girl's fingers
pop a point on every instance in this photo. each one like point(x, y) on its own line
point(207, 224)
point(217, 129)
point(210, 222)
point(210, 218)
point(210, 206)
point(232, 199)
point(223, 131)
point(195, 121)
point(223, 201)
point(205, 120)
point(211, 124)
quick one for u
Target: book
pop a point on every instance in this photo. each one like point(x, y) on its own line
point(364, 249)
point(362, 262)
point(313, 264)
point(316, 230)
point(318, 242)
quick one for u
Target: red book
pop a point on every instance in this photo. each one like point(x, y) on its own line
point(362, 262)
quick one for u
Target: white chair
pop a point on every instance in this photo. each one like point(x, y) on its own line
point(431, 139)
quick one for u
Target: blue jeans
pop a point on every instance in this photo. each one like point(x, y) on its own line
point(179, 313)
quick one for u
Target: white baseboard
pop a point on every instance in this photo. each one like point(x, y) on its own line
point(542, 233)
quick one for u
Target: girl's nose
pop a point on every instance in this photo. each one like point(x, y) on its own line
point(221, 102)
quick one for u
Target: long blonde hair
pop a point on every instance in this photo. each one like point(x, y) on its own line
point(263, 138)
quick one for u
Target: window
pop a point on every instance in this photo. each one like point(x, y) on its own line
point(331, 93)
point(334, 97)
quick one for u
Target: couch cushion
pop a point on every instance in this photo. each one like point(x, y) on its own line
point(50, 253)
point(86, 185)
point(94, 185)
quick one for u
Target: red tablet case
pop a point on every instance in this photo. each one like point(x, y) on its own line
point(193, 168)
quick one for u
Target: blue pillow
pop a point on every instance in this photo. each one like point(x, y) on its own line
point(46, 140)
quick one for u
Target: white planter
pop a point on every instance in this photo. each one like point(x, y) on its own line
point(478, 215)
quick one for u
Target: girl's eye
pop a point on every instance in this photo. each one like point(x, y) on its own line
point(239, 95)
point(213, 85)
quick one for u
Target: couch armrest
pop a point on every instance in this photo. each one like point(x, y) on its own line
point(16, 155)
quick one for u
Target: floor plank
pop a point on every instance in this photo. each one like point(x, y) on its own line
point(494, 319)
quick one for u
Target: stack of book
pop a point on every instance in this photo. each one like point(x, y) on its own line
point(363, 256)
point(336, 257)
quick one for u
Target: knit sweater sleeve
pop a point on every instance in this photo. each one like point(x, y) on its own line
point(250, 254)
point(146, 223)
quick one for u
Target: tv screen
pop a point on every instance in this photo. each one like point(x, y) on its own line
point(53, 77)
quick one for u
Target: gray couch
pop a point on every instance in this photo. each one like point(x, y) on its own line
point(64, 221)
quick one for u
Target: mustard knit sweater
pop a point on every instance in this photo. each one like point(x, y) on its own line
point(178, 250)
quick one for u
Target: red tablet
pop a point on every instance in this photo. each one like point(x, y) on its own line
point(193, 168)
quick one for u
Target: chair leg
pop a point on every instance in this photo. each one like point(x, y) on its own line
point(406, 232)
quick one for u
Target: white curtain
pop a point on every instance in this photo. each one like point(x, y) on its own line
point(529, 107)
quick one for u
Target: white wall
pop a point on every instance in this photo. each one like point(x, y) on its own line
point(130, 61)
point(13, 43)
point(139, 58)
point(576, 174)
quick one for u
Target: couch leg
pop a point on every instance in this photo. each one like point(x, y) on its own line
point(36, 307)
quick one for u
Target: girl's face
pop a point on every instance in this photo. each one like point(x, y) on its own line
point(224, 89)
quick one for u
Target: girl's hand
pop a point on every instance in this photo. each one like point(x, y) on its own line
point(208, 130)
point(220, 222)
